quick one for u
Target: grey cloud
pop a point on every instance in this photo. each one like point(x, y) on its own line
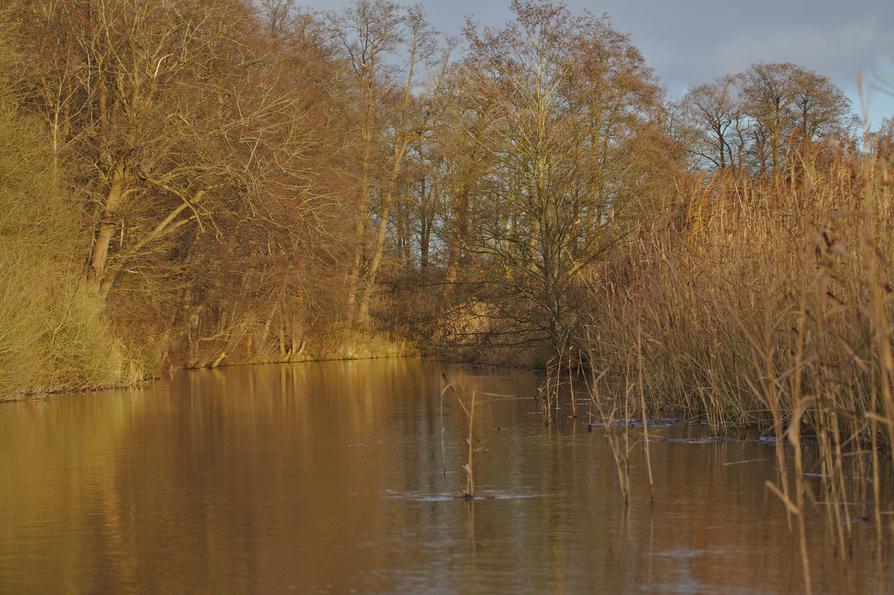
point(688, 42)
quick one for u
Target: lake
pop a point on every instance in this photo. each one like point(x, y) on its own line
point(335, 477)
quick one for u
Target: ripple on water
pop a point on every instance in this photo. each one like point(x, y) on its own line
point(452, 497)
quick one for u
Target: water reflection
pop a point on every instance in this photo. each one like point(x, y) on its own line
point(330, 477)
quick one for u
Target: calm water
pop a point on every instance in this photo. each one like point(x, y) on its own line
point(330, 478)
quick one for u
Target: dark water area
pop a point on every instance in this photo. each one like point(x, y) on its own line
point(330, 477)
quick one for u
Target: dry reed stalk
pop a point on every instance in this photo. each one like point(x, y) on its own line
point(545, 393)
point(571, 372)
point(794, 435)
point(642, 401)
point(469, 411)
point(619, 455)
point(470, 474)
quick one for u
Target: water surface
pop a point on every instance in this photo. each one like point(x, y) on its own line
point(330, 477)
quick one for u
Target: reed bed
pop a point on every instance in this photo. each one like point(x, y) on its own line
point(767, 303)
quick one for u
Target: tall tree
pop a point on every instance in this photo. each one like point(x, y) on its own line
point(368, 32)
point(140, 101)
point(564, 97)
point(389, 115)
point(714, 111)
point(789, 105)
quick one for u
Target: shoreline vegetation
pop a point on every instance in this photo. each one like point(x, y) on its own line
point(371, 349)
point(191, 183)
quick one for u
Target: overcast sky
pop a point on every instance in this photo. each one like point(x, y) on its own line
point(689, 42)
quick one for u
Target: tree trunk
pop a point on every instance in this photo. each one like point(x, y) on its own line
point(375, 262)
point(361, 206)
point(457, 236)
point(96, 284)
point(377, 255)
point(360, 214)
point(265, 334)
point(425, 225)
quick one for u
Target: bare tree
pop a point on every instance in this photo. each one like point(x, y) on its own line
point(564, 95)
point(158, 104)
point(389, 114)
point(789, 105)
point(367, 32)
point(715, 112)
point(821, 108)
point(409, 126)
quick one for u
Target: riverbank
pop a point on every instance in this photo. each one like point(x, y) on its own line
point(362, 347)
